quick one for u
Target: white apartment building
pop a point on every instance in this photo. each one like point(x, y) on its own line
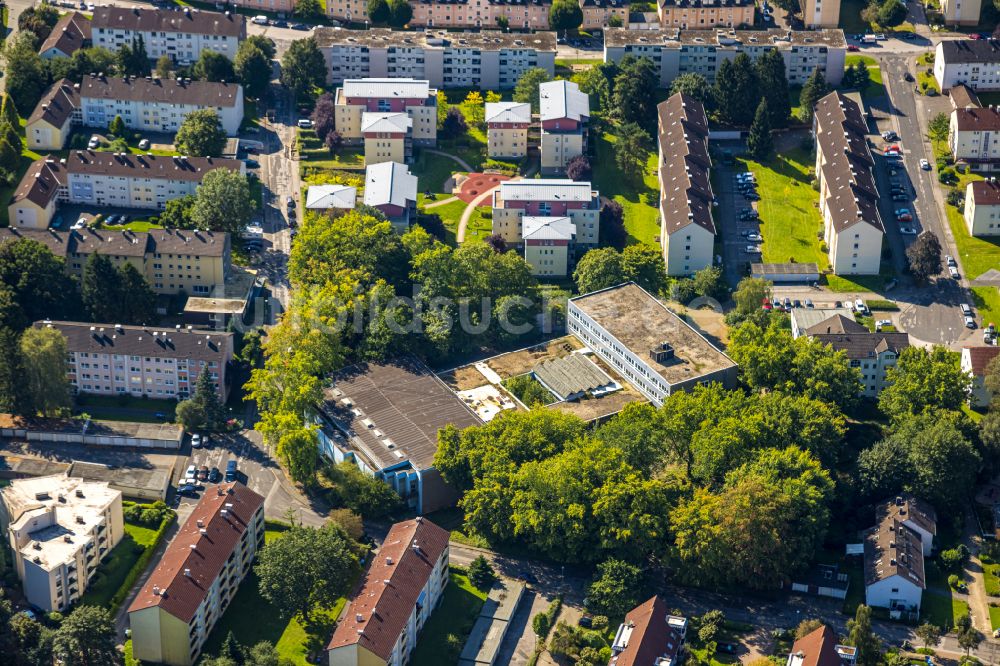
point(961, 12)
point(678, 51)
point(153, 104)
point(971, 62)
point(107, 179)
point(982, 208)
point(514, 201)
point(180, 35)
point(848, 198)
point(894, 552)
point(687, 230)
point(388, 116)
point(656, 351)
point(59, 529)
point(164, 363)
point(973, 135)
point(402, 587)
point(197, 576)
point(873, 354)
point(507, 126)
point(488, 60)
point(564, 113)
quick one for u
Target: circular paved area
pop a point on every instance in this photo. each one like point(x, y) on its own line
point(477, 183)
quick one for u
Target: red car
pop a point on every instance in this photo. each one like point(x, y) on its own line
point(766, 304)
point(905, 217)
point(852, 48)
point(890, 149)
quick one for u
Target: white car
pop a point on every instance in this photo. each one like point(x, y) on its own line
point(755, 237)
point(259, 19)
point(859, 305)
point(192, 470)
point(882, 323)
point(196, 441)
point(144, 144)
point(970, 322)
point(752, 249)
point(925, 165)
point(953, 272)
point(94, 142)
point(305, 123)
point(908, 231)
point(80, 224)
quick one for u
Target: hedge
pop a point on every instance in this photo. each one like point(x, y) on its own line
point(881, 304)
point(141, 564)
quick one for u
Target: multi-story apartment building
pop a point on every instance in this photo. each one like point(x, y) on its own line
point(820, 13)
point(598, 14)
point(180, 35)
point(196, 263)
point(387, 116)
point(70, 33)
point(392, 189)
point(197, 576)
point(675, 51)
point(516, 201)
point(687, 230)
point(972, 62)
point(49, 125)
point(701, 14)
point(519, 14)
point(59, 529)
point(656, 351)
point(894, 552)
point(871, 353)
point(276, 6)
point(349, 11)
point(400, 590)
point(982, 208)
point(142, 361)
point(848, 198)
point(153, 104)
point(549, 244)
point(507, 126)
point(107, 179)
point(974, 137)
point(961, 12)
point(564, 114)
point(487, 60)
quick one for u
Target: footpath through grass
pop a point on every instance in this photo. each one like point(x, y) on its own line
point(455, 616)
point(640, 201)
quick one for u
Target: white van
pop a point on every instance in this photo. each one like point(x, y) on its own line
point(966, 310)
point(259, 19)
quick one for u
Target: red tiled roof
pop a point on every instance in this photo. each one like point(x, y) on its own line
point(818, 648)
point(651, 636)
point(180, 595)
point(981, 357)
point(385, 607)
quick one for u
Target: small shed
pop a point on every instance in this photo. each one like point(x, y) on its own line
point(790, 273)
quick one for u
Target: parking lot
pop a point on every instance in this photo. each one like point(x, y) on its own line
point(738, 223)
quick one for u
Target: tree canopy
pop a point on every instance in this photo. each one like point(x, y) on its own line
point(201, 134)
point(303, 68)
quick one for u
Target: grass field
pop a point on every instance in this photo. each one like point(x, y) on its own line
point(977, 256)
point(877, 87)
point(924, 63)
point(939, 606)
point(432, 170)
point(313, 153)
point(640, 201)
point(112, 572)
point(995, 617)
point(456, 615)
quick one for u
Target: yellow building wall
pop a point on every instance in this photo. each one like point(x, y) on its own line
point(159, 637)
point(353, 655)
point(44, 136)
point(28, 215)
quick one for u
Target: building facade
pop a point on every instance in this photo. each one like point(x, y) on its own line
point(982, 208)
point(197, 576)
point(974, 137)
point(507, 126)
point(519, 14)
point(820, 13)
point(59, 528)
point(894, 560)
point(873, 354)
point(50, 124)
point(652, 348)
point(564, 115)
point(961, 12)
point(701, 14)
point(387, 116)
point(687, 230)
point(142, 361)
point(975, 361)
point(391, 189)
point(599, 14)
point(180, 35)
point(848, 197)
point(514, 201)
point(972, 62)
point(401, 588)
point(70, 34)
point(549, 245)
point(487, 61)
point(107, 179)
point(675, 51)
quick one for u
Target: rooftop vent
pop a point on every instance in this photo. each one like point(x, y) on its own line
point(662, 352)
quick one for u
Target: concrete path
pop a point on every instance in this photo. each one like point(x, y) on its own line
point(470, 209)
point(442, 202)
point(979, 607)
point(461, 162)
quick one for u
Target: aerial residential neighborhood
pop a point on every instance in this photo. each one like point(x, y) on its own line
point(499, 333)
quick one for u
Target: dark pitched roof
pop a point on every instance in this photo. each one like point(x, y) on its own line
point(980, 357)
point(57, 104)
point(971, 50)
point(860, 346)
point(123, 243)
point(818, 648)
point(179, 241)
point(149, 341)
point(985, 192)
point(164, 91)
point(908, 508)
point(836, 324)
point(962, 97)
point(159, 20)
point(977, 119)
point(389, 590)
point(651, 637)
point(40, 183)
point(68, 35)
point(685, 189)
point(147, 166)
point(202, 555)
point(893, 549)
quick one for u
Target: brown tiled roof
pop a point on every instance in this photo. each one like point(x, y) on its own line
point(985, 193)
point(68, 34)
point(983, 119)
point(388, 592)
point(962, 97)
point(861, 346)
point(146, 166)
point(159, 20)
point(40, 183)
point(57, 104)
point(981, 357)
point(180, 344)
point(685, 190)
point(651, 636)
point(836, 324)
point(178, 241)
point(58, 242)
point(163, 91)
point(847, 162)
point(182, 594)
point(818, 648)
point(123, 243)
point(892, 548)
point(907, 507)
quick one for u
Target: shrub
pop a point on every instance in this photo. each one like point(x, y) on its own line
point(881, 304)
point(953, 581)
point(540, 625)
point(142, 562)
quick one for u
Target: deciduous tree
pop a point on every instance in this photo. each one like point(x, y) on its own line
point(201, 134)
point(924, 256)
point(303, 68)
point(526, 89)
point(695, 86)
point(86, 637)
point(310, 10)
point(598, 269)
point(861, 635)
point(378, 11)
point(323, 116)
point(214, 66)
point(923, 380)
point(253, 69)
point(615, 588)
point(565, 15)
point(400, 13)
point(44, 380)
point(578, 168)
point(24, 70)
point(298, 450)
point(222, 202)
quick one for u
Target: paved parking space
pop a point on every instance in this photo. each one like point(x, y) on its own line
point(732, 230)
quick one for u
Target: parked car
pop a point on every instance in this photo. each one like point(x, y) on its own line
point(899, 196)
point(908, 77)
point(953, 272)
point(908, 231)
point(111, 219)
point(231, 470)
point(251, 164)
point(852, 48)
point(586, 622)
point(192, 470)
point(80, 223)
point(970, 322)
point(299, 26)
point(752, 249)
point(754, 237)
point(187, 489)
point(966, 310)
point(860, 306)
point(950, 260)
point(925, 165)
point(196, 441)
point(809, 303)
point(260, 19)
point(796, 303)
point(203, 473)
point(144, 144)
point(214, 475)
point(305, 123)
point(882, 323)
point(94, 142)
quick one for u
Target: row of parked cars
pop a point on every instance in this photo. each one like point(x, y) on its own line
point(746, 187)
point(195, 477)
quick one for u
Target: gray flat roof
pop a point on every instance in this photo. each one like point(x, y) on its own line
point(570, 374)
point(726, 38)
point(785, 269)
point(487, 40)
point(483, 644)
point(152, 479)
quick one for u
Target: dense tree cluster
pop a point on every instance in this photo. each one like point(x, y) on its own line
point(116, 294)
point(605, 267)
point(201, 134)
point(303, 69)
point(741, 85)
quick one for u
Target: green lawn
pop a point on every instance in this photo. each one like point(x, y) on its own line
point(106, 407)
point(432, 170)
point(314, 154)
point(252, 619)
point(788, 214)
point(977, 256)
point(639, 201)
point(113, 571)
point(455, 615)
point(877, 87)
point(990, 579)
point(939, 606)
point(995, 617)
